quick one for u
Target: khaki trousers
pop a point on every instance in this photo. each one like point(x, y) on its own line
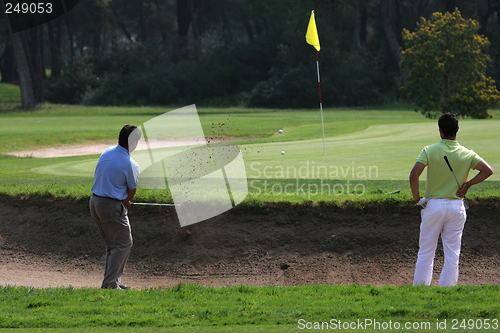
point(111, 218)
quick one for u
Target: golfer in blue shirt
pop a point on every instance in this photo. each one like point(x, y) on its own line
point(115, 183)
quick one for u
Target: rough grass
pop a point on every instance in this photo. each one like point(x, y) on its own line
point(197, 306)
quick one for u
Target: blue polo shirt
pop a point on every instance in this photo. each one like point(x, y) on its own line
point(115, 172)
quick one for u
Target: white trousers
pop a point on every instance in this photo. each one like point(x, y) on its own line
point(445, 217)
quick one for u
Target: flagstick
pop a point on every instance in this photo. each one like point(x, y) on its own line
point(320, 103)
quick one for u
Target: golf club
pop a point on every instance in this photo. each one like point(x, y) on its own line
point(157, 204)
point(458, 183)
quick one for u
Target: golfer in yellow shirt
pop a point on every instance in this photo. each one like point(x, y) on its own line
point(445, 213)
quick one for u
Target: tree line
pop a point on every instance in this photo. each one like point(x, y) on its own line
point(226, 52)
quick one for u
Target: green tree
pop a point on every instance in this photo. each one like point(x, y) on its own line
point(448, 62)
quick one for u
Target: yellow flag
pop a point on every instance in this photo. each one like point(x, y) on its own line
point(312, 33)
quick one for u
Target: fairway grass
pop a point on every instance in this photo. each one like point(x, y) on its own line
point(10, 96)
point(195, 308)
point(63, 125)
point(381, 152)
point(369, 152)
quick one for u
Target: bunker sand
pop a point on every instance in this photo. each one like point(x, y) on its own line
point(46, 243)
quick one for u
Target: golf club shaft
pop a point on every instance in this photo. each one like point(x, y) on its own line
point(458, 183)
point(152, 204)
point(451, 169)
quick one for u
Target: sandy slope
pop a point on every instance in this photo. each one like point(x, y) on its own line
point(48, 244)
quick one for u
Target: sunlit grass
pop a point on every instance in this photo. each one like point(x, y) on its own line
point(240, 307)
point(369, 151)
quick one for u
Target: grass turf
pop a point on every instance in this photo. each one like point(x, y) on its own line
point(59, 125)
point(194, 306)
point(10, 96)
point(370, 159)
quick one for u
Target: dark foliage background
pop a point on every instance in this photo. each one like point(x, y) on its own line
point(236, 52)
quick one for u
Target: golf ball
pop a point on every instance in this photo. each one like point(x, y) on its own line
point(280, 131)
point(282, 152)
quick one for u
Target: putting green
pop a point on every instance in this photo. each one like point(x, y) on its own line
point(381, 152)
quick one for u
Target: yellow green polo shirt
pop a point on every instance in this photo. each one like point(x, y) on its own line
point(440, 181)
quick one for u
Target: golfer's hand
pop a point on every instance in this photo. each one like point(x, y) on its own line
point(463, 191)
point(126, 203)
point(423, 201)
